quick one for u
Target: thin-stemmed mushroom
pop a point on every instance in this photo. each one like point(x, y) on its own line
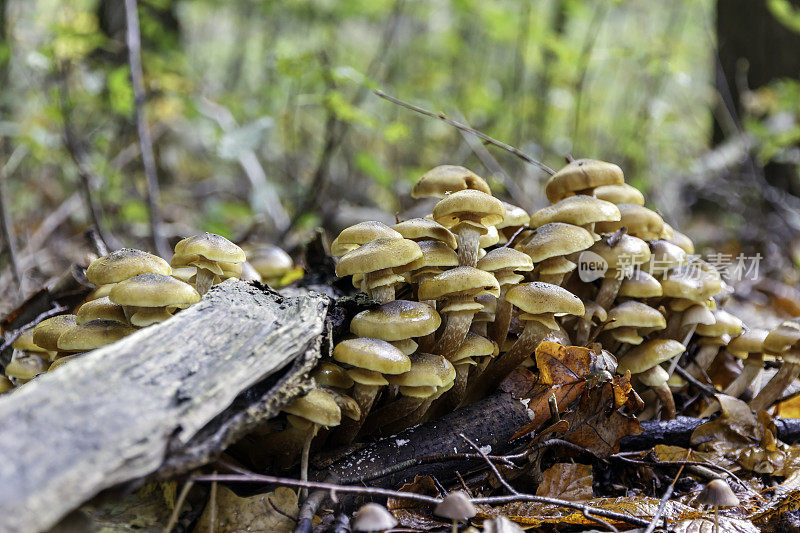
point(445, 179)
point(92, 335)
point(371, 518)
point(643, 361)
point(359, 234)
point(504, 263)
point(472, 347)
point(123, 264)
point(781, 341)
point(749, 346)
point(712, 338)
point(271, 263)
point(425, 229)
point(581, 210)
point(23, 367)
point(717, 493)
point(621, 253)
point(376, 260)
point(215, 257)
point(620, 193)
point(151, 298)
point(516, 218)
point(553, 241)
point(629, 321)
point(639, 221)
point(582, 176)
point(456, 507)
point(468, 214)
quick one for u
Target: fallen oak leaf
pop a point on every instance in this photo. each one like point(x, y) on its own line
point(736, 424)
point(567, 481)
point(261, 512)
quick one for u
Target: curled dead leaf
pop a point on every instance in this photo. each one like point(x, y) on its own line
point(567, 481)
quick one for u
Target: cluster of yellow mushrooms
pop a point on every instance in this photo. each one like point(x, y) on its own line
point(135, 289)
point(464, 296)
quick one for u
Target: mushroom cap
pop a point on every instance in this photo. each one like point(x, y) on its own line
point(459, 281)
point(469, 205)
point(423, 229)
point(147, 316)
point(348, 405)
point(270, 261)
point(750, 341)
point(407, 346)
point(582, 175)
point(681, 240)
point(635, 314)
point(653, 377)
point(649, 354)
point(593, 310)
point(363, 376)
point(456, 506)
point(359, 234)
point(154, 290)
point(327, 374)
point(474, 345)
point(435, 254)
point(628, 251)
point(396, 320)
point(778, 340)
point(697, 314)
point(640, 284)
point(538, 298)
point(123, 264)
point(640, 221)
point(318, 407)
point(725, 324)
point(92, 335)
point(718, 493)
point(28, 366)
point(445, 179)
point(102, 308)
point(619, 193)
point(211, 246)
point(25, 342)
point(556, 265)
point(490, 238)
point(505, 259)
point(5, 384)
point(577, 210)
point(663, 256)
point(426, 370)
point(372, 354)
point(515, 216)
point(378, 254)
point(690, 283)
point(62, 360)
point(423, 391)
point(501, 524)
point(555, 239)
point(372, 517)
point(47, 332)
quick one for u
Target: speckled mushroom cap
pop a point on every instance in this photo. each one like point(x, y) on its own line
point(582, 175)
point(635, 314)
point(379, 254)
point(123, 264)
point(445, 179)
point(359, 234)
point(578, 210)
point(270, 261)
point(619, 193)
point(474, 345)
point(750, 341)
point(503, 262)
point(640, 221)
point(718, 493)
point(663, 256)
point(456, 506)
point(435, 254)
point(211, 246)
point(372, 354)
point(47, 332)
point(396, 320)
point(154, 290)
point(92, 335)
point(459, 281)
point(426, 370)
point(554, 239)
point(469, 206)
point(515, 216)
point(372, 517)
point(640, 284)
point(682, 241)
point(649, 354)
point(539, 300)
point(318, 407)
point(425, 229)
point(102, 308)
point(628, 251)
point(25, 343)
point(724, 324)
point(778, 340)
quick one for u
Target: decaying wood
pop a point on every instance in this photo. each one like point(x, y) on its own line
point(161, 400)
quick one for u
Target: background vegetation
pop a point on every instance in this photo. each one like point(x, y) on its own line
point(265, 126)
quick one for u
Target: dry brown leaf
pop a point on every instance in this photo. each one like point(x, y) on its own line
point(706, 525)
point(567, 481)
point(536, 514)
point(736, 424)
point(416, 515)
point(715, 454)
point(254, 513)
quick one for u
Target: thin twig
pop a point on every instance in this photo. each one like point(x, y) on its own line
point(463, 127)
point(212, 501)
point(620, 517)
point(492, 466)
point(5, 216)
point(176, 511)
point(19, 331)
point(662, 505)
point(705, 389)
point(133, 35)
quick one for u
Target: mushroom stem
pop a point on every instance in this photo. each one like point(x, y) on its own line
point(391, 412)
point(667, 401)
point(502, 320)
point(752, 368)
point(608, 290)
point(702, 360)
point(204, 279)
point(468, 246)
point(347, 431)
point(455, 396)
point(383, 293)
point(427, 342)
point(787, 373)
point(455, 331)
point(526, 344)
point(304, 457)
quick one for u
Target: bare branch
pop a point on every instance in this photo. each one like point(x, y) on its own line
point(5, 216)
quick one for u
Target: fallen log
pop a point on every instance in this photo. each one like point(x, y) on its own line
point(161, 401)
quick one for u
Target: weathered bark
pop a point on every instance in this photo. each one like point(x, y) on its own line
point(160, 401)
